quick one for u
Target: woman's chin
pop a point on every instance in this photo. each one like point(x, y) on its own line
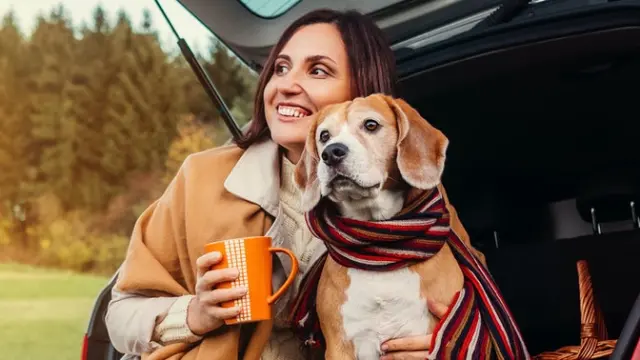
point(290, 142)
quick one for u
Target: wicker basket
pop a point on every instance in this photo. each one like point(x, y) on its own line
point(593, 332)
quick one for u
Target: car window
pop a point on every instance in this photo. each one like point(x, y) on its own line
point(98, 109)
point(269, 8)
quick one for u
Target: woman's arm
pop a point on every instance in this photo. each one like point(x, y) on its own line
point(132, 319)
point(138, 323)
point(150, 304)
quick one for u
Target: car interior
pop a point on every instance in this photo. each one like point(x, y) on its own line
point(542, 167)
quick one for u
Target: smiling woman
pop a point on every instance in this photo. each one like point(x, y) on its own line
point(322, 58)
point(240, 190)
point(291, 96)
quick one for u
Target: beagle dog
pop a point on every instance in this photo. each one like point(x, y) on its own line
point(364, 155)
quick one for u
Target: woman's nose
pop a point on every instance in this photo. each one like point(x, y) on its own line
point(289, 84)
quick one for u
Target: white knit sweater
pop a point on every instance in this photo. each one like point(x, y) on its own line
point(283, 345)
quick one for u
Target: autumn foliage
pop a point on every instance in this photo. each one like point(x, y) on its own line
point(95, 120)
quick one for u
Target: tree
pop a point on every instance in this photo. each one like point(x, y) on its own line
point(147, 24)
point(54, 135)
point(90, 77)
point(14, 136)
point(236, 84)
point(192, 137)
point(142, 105)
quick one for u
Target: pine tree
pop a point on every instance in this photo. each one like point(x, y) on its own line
point(147, 24)
point(14, 136)
point(54, 135)
point(143, 104)
point(91, 75)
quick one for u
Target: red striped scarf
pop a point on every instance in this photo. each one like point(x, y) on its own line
point(478, 324)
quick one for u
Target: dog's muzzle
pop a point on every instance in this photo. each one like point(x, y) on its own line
point(333, 154)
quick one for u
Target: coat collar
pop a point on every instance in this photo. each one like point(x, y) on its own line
point(256, 176)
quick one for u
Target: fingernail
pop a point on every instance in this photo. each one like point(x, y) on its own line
point(216, 255)
point(242, 289)
point(384, 347)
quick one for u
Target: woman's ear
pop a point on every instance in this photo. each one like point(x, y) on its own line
point(421, 148)
point(306, 174)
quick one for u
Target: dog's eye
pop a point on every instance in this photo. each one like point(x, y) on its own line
point(371, 125)
point(324, 136)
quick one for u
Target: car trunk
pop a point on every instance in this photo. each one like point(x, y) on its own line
point(529, 140)
point(541, 131)
point(542, 117)
point(538, 104)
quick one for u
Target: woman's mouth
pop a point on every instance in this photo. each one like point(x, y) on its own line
point(291, 111)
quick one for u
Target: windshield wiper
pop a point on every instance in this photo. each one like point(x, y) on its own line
point(205, 81)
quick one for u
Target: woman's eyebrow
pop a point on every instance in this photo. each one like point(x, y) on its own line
point(315, 58)
point(311, 58)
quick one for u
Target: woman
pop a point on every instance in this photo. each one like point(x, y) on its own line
point(163, 303)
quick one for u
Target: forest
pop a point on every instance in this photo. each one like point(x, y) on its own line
point(95, 120)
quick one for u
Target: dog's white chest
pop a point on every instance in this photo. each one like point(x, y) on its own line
point(381, 306)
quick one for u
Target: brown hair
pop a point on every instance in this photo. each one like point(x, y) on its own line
point(371, 62)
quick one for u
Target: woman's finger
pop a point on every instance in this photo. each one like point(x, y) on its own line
point(406, 355)
point(219, 312)
point(206, 261)
point(409, 343)
point(221, 295)
point(213, 277)
point(437, 308)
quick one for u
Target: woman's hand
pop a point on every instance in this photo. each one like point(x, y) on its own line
point(204, 313)
point(412, 347)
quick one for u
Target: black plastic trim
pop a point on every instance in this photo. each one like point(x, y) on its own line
point(429, 21)
point(629, 336)
point(98, 342)
point(595, 18)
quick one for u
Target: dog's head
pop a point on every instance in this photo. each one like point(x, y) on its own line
point(358, 148)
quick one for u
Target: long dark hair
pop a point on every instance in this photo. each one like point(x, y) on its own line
point(371, 62)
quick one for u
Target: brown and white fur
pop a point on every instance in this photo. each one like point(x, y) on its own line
point(364, 155)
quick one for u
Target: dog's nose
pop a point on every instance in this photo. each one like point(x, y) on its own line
point(334, 154)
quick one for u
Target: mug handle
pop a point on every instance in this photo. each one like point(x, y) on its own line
point(292, 275)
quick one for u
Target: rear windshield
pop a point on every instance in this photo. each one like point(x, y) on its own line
point(269, 8)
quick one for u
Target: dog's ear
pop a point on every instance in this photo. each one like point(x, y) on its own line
point(306, 174)
point(421, 148)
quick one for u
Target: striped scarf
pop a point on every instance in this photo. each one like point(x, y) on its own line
point(478, 321)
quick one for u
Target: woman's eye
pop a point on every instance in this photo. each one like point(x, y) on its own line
point(281, 69)
point(319, 72)
point(324, 136)
point(371, 125)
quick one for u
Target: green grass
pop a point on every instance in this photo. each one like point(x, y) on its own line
point(44, 313)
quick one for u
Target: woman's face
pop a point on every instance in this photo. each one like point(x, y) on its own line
point(311, 71)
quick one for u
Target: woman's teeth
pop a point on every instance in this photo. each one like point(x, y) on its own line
point(292, 111)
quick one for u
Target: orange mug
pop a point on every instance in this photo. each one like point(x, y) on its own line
point(252, 257)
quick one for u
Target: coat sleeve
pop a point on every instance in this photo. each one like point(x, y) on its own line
point(131, 320)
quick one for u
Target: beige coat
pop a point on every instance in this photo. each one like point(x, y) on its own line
point(217, 194)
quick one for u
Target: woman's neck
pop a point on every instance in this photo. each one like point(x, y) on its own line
point(293, 155)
